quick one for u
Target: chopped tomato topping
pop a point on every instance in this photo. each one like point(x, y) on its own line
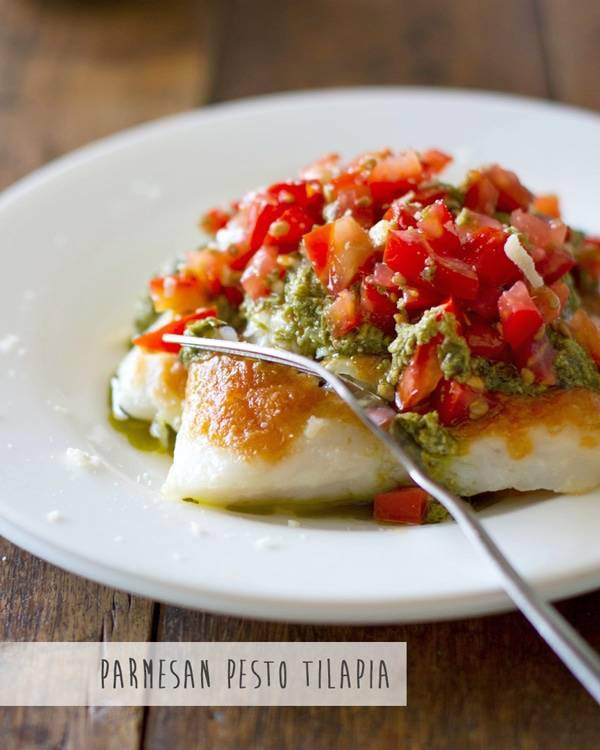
point(485, 341)
point(404, 505)
point(547, 205)
point(437, 224)
point(420, 377)
point(548, 302)
point(554, 264)
point(214, 220)
point(180, 292)
point(586, 333)
point(256, 277)
point(394, 175)
point(485, 250)
point(454, 276)
point(209, 267)
point(286, 232)
point(434, 161)
point(420, 299)
point(343, 313)
point(317, 245)
point(520, 317)
point(538, 357)
point(481, 194)
point(350, 247)
point(406, 252)
point(153, 341)
point(456, 402)
point(377, 307)
point(511, 193)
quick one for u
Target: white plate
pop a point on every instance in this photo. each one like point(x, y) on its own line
point(78, 240)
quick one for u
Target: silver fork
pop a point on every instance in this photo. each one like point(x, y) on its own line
point(575, 653)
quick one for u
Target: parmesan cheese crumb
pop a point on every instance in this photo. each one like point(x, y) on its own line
point(520, 257)
point(267, 542)
point(197, 530)
point(378, 233)
point(8, 343)
point(54, 516)
point(293, 523)
point(78, 459)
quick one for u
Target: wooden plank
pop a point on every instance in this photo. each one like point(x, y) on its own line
point(73, 72)
point(487, 682)
point(279, 46)
point(41, 602)
point(571, 35)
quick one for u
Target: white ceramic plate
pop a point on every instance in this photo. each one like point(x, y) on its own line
point(78, 240)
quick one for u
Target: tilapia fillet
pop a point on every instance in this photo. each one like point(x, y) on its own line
point(252, 432)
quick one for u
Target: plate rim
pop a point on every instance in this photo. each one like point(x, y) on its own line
point(449, 606)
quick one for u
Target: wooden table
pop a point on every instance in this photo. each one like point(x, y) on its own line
point(74, 71)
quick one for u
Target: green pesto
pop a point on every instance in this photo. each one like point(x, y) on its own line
point(573, 365)
point(144, 314)
point(453, 352)
point(503, 377)
point(206, 328)
point(574, 300)
point(427, 432)
point(297, 319)
point(436, 513)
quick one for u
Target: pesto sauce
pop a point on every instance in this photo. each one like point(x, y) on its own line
point(296, 319)
point(453, 352)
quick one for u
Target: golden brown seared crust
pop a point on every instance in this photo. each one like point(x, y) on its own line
point(516, 415)
point(170, 384)
point(253, 408)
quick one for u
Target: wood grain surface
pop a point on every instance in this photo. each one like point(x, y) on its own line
point(74, 71)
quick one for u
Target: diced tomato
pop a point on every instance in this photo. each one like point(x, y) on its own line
point(286, 232)
point(481, 194)
point(214, 220)
point(454, 276)
point(406, 252)
point(586, 333)
point(455, 403)
point(394, 175)
point(437, 224)
point(563, 293)
point(180, 292)
point(485, 250)
point(383, 275)
point(486, 303)
point(262, 213)
point(554, 264)
point(153, 341)
point(485, 341)
point(520, 318)
point(511, 193)
point(422, 298)
point(350, 248)
point(352, 195)
point(255, 279)
point(404, 505)
point(300, 194)
point(420, 377)
point(434, 161)
point(402, 215)
point(547, 205)
point(531, 225)
point(538, 356)
point(323, 170)
point(473, 222)
point(209, 267)
point(547, 302)
point(233, 295)
point(317, 243)
point(376, 307)
point(343, 313)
